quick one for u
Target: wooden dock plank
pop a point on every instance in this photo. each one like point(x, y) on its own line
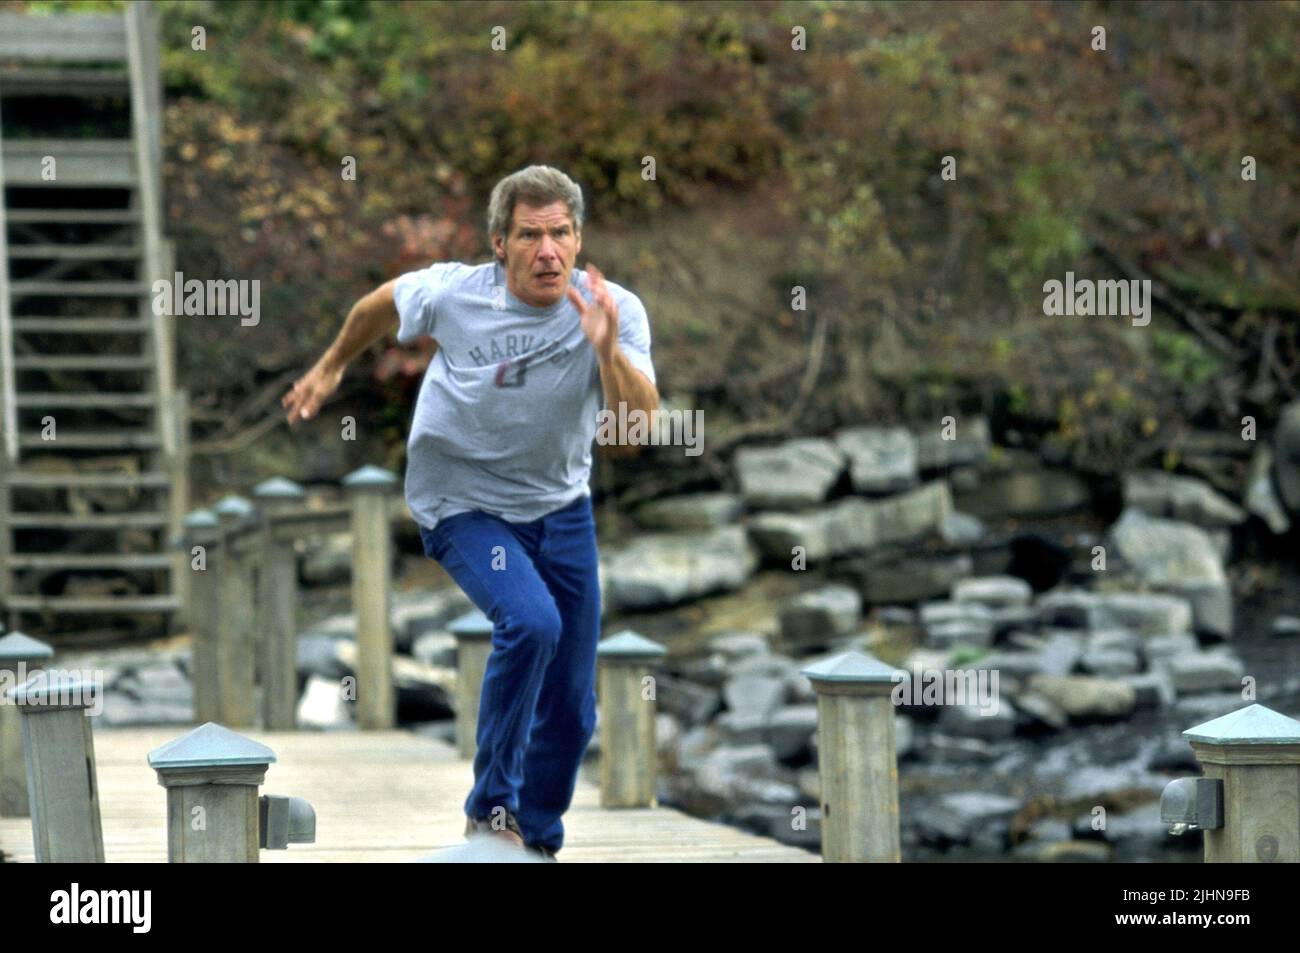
point(386, 797)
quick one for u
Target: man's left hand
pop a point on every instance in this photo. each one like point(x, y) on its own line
point(600, 316)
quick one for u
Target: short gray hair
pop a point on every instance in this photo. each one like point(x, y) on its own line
point(535, 185)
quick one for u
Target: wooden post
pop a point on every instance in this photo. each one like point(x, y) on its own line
point(212, 777)
point(1255, 752)
point(178, 499)
point(627, 720)
point(19, 654)
point(60, 757)
point(857, 761)
point(236, 698)
point(372, 571)
point(202, 611)
point(473, 632)
point(277, 608)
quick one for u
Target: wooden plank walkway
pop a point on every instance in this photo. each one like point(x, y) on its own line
point(386, 797)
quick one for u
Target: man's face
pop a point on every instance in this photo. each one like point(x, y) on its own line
point(539, 253)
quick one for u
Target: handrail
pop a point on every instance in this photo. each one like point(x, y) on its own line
point(142, 57)
point(8, 401)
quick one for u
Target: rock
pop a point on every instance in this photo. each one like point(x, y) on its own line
point(1151, 689)
point(320, 654)
point(1040, 710)
point(755, 694)
point(741, 727)
point(969, 444)
point(1118, 638)
point(949, 750)
point(326, 560)
point(852, 525)
point(781, 823)
point(1179, 558)
point(1109, 662)
point(691, 511)
point(719, 779)
point(794, 475)
point(881, 459)
point(1286, 457)
point(996, 592)
point(993, 723)
point(962, 529)
point(819, 616)
point(693, 704)
point(1143, 612)
point(1203, 707)
point(416, 613)
point(1084, 698)
point(955, 818)
point(1158, 648)
point(1286, 625)
point(665, 569)
point(948, 624)
point(1060, 653)
point(1181, 498)
point(1204, 672)
point(322, 705)
point(712, 670)
point(913, 580)
point(790, 731)
point(120, 710)
point(435, 648)
point(1067, 608)
point(163, 684)
point(1023, 494)
point(1261, 495)
point(1174, 754)
point(740, 645)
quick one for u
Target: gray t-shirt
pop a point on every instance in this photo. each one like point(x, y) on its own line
point(508, 408)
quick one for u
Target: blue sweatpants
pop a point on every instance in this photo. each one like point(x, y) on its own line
point(538, 584)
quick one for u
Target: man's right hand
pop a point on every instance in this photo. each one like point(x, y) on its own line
point(310, 391)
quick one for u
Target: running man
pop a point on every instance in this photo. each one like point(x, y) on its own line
point(497, 474)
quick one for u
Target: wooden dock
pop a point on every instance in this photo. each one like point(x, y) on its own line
point(385, 797)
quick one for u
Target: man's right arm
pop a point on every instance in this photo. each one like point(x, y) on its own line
point(370, 319)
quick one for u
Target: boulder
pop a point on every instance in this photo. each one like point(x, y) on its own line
point(881, 459)
point(794, 475)
point(1181, 498)
point(665, 569)
point(691, 511)
point(1084, 698)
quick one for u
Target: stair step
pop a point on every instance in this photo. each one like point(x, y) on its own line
point(80, 163)
point(65, 82)
point(94, 603)
point(90, 401)
point(87, 520)
point(90, 561)
point(74, 216)
point(92, 440)
point(21, 478)
point(65, 38)
point(81, 362)
point(56, 325)
point(97, 289)
point(78, 252)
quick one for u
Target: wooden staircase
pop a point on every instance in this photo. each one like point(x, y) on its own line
point(93, 466)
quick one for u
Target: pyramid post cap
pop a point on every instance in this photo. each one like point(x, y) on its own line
point(278, 488)
point(233, 505)
point(627, 645)
point(200, 519)
point(1253, 725)
point(368, 477)
point(210, 745)
point(18, 646)
point(854, 667)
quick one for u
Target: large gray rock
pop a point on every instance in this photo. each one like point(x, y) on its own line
point(881, 459)
point(1084, 698)
point(666, 569)
point(794, 475)
point(1204, 672)
point(790, 730)
point(326, 560)
point(1286, 457)
point(1143, 612)
point(970, 444)
point(913, 579)
point(996, 722)
point(1261, 495)
point(948, 624)
point(691, 703)
point(1181, 498)
point(755, 693)
point(956, 818)
point(853, 525)
point(1026, 493)
point(1179, 558)
point(691, 511)
point(993, 591)
point(820, 616)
